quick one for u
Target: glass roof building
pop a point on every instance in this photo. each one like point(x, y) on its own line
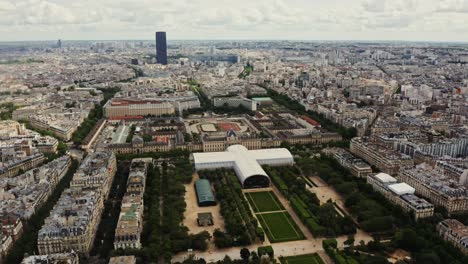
point(205, 195)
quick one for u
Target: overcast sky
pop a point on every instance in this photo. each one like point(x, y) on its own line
point(424, 20)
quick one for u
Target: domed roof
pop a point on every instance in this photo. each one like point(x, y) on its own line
point(137, 140)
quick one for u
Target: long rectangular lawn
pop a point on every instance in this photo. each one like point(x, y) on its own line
point(264, 201)
point(280, 227)
point(303, 259)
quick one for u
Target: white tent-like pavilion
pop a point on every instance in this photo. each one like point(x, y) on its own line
point(246, 163)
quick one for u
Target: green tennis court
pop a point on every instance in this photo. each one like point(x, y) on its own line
point(280, 227)
point(264, 201)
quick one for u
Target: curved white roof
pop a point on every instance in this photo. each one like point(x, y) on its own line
point(245, 162)
point(236, 148)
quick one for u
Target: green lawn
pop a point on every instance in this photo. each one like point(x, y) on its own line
point(303, 259)
point(280, 227)
point(264, 201)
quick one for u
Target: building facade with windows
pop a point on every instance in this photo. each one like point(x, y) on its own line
point(73, 222)
point(130, 223)
point(401, 194)
point(454, 232)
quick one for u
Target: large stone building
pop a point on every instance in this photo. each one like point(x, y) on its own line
point(439, 188)
point(13, 167)
point(220, 144)
point(73, 222)
point(401, 194)
point(356, 166)
point(385, 159)
point(24, 194)
point(135, 107)
point(130, 223)
point(62, 126)
point(454, 232)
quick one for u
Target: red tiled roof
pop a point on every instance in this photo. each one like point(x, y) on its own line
point(123, 102)
point(310, 120)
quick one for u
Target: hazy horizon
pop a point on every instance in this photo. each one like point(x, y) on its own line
point(376, 41)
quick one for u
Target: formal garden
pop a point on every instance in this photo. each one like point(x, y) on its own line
point(303, 259)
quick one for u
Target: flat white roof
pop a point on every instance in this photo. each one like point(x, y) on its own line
point(385, 178)
point(401, 188)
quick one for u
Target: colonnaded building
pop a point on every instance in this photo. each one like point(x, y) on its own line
point(246, 163)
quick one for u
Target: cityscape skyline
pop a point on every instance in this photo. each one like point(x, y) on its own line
point(234, 132)
point(371, 41)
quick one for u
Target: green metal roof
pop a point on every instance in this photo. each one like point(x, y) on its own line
point(204, 192)
point(264, 99)
point(131, 213)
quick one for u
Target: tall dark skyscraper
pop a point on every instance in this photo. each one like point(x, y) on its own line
point(161, 48)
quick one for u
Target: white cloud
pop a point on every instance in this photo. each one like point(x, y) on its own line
point(227, 19)
point(6, 6)
point(374, 5)
point(455, 6)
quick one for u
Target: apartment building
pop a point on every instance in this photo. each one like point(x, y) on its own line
point(454, 232)
point(130, 223)
point(73, 222)
point(96, 173)
point(356, 166)
point(5, 244)
point(439, 188)
point(385, 159)
point(24, 194)
point(59, 258)
point(10, 167)
point(401, 194)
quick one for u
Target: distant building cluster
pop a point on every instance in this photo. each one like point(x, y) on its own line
point(24, 195)
point(346, 114)
point(60, 113)
point(22, 149)
point(171, 90)
point(73, 222)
